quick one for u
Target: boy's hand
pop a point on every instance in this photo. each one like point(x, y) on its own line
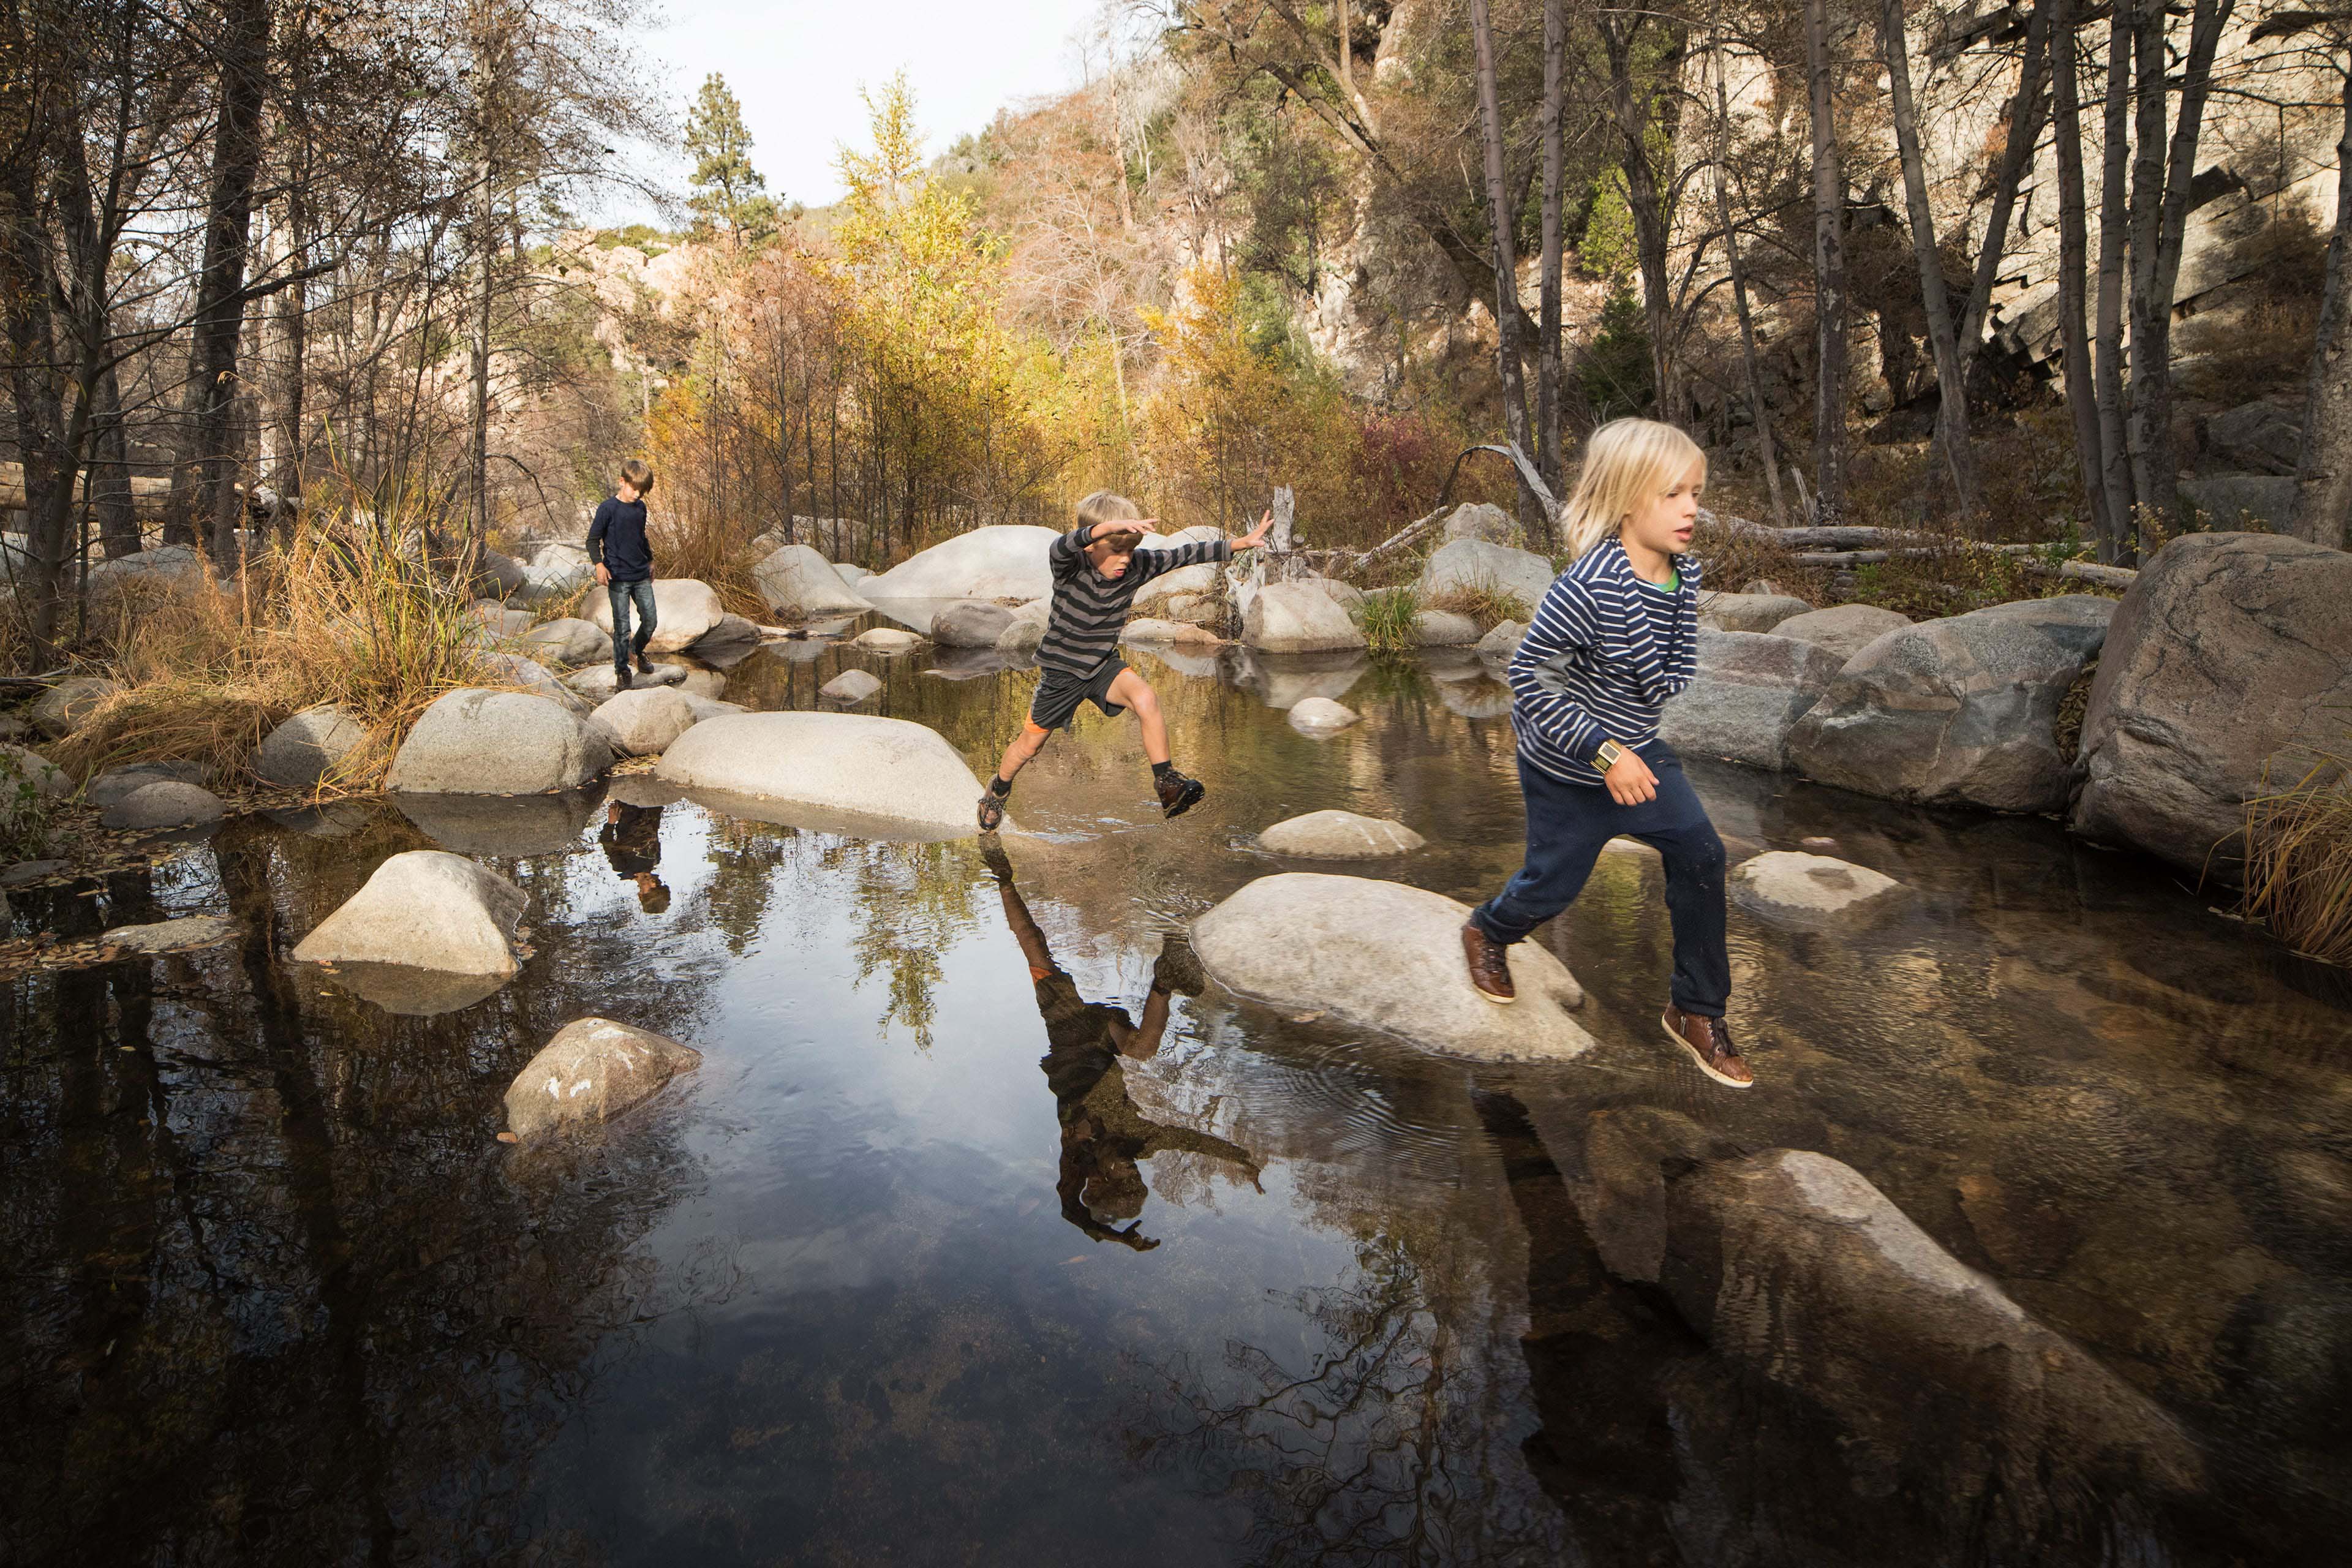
point(603, 574)
point(1630, 780)
point(1255, 536)
point(1123, 525)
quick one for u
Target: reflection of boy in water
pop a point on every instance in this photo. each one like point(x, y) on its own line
point(1103, 1134)
point(632, 841)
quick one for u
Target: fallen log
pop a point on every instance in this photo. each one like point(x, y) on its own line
point(147, 496)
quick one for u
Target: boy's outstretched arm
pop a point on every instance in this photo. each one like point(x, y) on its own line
point(1255, 536)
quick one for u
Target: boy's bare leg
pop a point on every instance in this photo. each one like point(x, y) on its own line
point(1130, 690)
point(1024, 747)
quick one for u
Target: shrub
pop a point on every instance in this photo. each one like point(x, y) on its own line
point(24, 812)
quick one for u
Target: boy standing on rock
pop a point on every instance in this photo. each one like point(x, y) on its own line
point(625, 565)
point(1097, 571)
point(1617, 634)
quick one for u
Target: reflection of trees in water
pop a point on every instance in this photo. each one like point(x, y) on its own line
point(1388, 1438)
point(276, 1294)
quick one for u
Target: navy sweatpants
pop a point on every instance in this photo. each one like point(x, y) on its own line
point(1566, 826)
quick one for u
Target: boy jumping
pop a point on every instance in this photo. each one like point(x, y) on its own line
point(1097, 571)
point(625, 565)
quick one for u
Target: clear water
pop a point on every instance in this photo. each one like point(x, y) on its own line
point(898, 1275)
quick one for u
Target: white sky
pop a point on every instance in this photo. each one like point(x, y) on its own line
point(797, 66)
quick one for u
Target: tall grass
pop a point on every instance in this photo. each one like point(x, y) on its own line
point(1387, 619)
point(694, 540)
point(354, 614)
point(1486, 603)
point(2299, 861)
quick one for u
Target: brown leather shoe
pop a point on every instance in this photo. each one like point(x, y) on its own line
point(1490, 964)
point(1708, 1041)
point(1178, 795)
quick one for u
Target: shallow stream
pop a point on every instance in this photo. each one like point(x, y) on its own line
point(897, 1275)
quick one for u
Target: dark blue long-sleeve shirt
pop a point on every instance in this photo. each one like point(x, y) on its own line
point(617, 540)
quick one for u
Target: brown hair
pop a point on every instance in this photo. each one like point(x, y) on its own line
point(639, 475)
point(1109, 506)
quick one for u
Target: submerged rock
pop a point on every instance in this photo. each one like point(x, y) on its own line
point(799, 585)
point(1003, 561)
point(1960, 712)
point(310, 746)
point(1791, 887)
point(591, 1070)
point(1298, 617)
point(1380, 955)
point(901, 780)
point(684, 609)
point(2227, 672)
point(473, 741)
point(643, 723)
point(426, 910)
point(851, 687)
point(161, 803)
point(1321, 716)
point(1750, 689)
point(1340, 836)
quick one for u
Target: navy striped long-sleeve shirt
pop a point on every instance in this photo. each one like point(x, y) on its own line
point(1605, 651)
point(1090, 609)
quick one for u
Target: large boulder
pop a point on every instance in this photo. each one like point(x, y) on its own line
point(1298, 617)
point(802, 585)
point(1479, 564)
point(591, 1070)
point(426, 910)
point(2232, 501)
point(18, 765)
point(643, 722)
point(883, 776)
point(1021, 636)
point(1005, 561)
point(2262, 438)
point(1483, 520)
point(1962, 712)
point(167, 568)
point(308, 747)
point(1792, 1266)
point(509, 574)
point(570, 640)
point(1443, 628)
point(1750, 689)
point(163, 803)
point(1380, 955)
point(1339, 835)
point(472, 742)
point(1747, 612)
point(973, 623)
point(65, 706)
point(1843, 629)
point(684, 608)
point(2229, 663)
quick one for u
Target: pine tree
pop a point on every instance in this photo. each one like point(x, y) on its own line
point(729, 194)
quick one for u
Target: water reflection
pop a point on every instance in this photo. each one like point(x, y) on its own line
point(1103, 1136)
point(631, 838)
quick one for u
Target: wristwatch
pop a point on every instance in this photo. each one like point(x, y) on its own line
point(1606, 757)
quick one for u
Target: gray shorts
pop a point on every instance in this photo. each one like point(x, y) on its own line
point(1060, 693)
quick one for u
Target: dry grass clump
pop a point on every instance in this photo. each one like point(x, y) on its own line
point(2299, 861)
point(1486, 603)
point(692, 542)
point(352, 615)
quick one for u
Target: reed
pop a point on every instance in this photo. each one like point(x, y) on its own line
point(2299, 861)
point(1387, 619)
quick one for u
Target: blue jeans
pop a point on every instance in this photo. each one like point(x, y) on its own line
point(1566, 826)
point(622, 595)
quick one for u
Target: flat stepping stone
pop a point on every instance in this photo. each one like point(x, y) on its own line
point(1340, 836)
point(1791, 887)
point(172, 936)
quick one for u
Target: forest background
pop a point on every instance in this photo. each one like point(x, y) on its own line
point(263, 253)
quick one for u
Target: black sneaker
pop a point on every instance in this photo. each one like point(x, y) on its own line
point(644, 665)
point(1178, 795)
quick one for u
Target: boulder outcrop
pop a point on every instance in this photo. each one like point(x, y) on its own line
point(568, 639)
point(1003, 561)
point(851, 687)
point(47, 778)
point(2229, 661)
point(1962, 712)
point(472, 742)
point(425, 910)
point(1380, 955)
point(1843, 629)
point(1747, 612)
point(884, 777)
point(308, 746)
point(684, 609)
point(1478, 565)
point(974, 623)
point(799, 585)
point(1298, 616)
point(642, 722)
point(164, 804)
point(1750, 689)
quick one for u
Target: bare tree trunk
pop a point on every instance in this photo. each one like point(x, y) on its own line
point(220, 291)
point(1951, 389)
point(1549, 374)
point(109, 475)
point(478, 456)
point(1828, 271)
point(2114, 217)
point(1766, 450)
point(1499, 213)
point(293, 387)
point(2323, 478)
point(2025, 114)
point(2162, 215)
point(1645, 205)
point(2074, 357)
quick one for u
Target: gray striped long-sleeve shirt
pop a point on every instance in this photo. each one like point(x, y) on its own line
point(1090, 609)
point(1604, 653)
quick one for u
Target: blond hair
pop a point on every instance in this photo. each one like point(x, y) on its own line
point(1109, 506)
point(639, 475)
point(1626, 462)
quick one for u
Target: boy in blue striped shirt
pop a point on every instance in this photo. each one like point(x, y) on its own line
point(1615, 637)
